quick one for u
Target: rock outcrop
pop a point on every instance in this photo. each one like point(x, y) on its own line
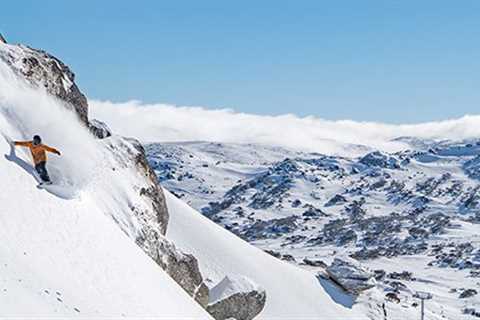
point(99, 129)
point(379, 159)
point(236, 298)
point(42, 69)
point(153, 217)
point(183, 268)
point(350, 275)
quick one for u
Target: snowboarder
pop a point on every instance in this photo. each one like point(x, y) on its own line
point(39, 155)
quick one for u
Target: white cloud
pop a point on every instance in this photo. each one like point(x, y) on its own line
point(167, 123)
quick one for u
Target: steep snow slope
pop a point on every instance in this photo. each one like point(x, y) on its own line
point(63, 253)
point(292, 293)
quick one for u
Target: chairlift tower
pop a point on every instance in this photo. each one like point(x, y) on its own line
point(422, 296)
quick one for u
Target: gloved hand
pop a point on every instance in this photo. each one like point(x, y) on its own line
point(58, 152)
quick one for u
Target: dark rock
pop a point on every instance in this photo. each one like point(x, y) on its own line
point(270, 228)
point(99, 129)
point(391, 296)
point(183, 268)
point(405, 275)
point(313, 212)
point(41, 69)
point(288, 257)
point(397, 286)
point(468, 293)
point(314, 263)
point(275, 254)
point(296, 203)
point(379, 274)
point(472, 312)
point(379, 184)
point(336, 200)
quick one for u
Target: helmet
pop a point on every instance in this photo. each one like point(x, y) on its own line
point(37, 140)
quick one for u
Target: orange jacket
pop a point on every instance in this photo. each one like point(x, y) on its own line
point(39, 153)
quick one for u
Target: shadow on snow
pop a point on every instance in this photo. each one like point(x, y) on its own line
point(62, 192)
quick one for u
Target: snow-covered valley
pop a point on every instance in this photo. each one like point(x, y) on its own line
point(411, 217)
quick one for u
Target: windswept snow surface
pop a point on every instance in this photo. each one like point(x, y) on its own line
point(292, 293)
point(64, 255)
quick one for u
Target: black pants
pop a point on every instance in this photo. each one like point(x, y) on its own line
point(42, 171)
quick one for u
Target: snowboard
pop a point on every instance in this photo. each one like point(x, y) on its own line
point(42, 185)
point(62, 191)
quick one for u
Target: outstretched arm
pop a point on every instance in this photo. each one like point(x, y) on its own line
point(22, 143)
point(50, 149)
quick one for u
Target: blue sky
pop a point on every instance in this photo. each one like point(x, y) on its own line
point(390, 61)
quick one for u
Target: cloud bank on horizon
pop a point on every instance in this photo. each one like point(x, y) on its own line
point(168, 123)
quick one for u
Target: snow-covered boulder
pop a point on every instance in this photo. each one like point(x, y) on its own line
point(236, 297)
point(99, 129)
point(350, 275)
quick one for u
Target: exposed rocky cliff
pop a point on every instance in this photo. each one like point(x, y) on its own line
point(42, 69)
